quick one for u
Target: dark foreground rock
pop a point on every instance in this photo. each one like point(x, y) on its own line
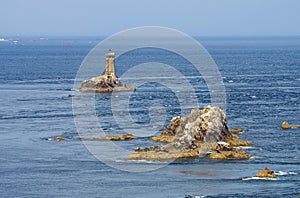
point(193, 136)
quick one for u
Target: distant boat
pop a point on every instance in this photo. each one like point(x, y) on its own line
point(3, 40)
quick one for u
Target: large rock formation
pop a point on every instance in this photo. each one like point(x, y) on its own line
point(192, 136)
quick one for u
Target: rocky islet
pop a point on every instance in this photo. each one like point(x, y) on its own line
point(192, 136)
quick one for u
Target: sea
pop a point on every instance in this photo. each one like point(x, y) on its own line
point(261, 77)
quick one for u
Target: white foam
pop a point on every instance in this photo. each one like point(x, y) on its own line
point(246, 147)
point(142, 161)
point(282, 173)
point(258, 178)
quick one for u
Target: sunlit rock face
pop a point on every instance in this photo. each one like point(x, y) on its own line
point(193, 136)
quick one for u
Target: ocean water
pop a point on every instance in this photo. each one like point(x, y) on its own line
point(262, 82)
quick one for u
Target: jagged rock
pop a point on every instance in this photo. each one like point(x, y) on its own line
point(191, 136)
point(177, 126)
point(286, 125)
point(266, 173)
point(110, 137)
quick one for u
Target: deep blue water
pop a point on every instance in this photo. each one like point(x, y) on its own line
point(262, 81)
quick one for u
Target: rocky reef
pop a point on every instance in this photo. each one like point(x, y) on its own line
point(224, 151)
point(104, 84)
point(126, 136)
point(286, 125)
point(193, 136)
point(123, 137)
point(237, 130)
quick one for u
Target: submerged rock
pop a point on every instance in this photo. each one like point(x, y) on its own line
point(266, 173)
point(126, 136)
point(59, 138)
point(192, 136)
point(286, 125)
point(163, 138)
point(236, 130)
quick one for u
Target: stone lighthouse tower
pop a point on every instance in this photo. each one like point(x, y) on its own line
point(108, 82)
point(110, 64)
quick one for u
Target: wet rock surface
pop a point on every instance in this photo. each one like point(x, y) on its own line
point(286, 125)
point(59, 138)
point(237, 130)
point(266, 173)
point(193, 136)
point(224, 151)
point(126, 136)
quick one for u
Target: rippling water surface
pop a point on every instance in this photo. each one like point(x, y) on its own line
point(262, 81)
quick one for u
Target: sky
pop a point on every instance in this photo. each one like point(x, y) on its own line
point(106, 17)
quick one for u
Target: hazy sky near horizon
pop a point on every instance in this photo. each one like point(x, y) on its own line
point(194, 17)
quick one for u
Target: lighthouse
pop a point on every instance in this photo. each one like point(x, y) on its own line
point(110, 64)
point(108, 82)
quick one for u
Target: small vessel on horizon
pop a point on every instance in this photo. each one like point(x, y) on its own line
point(3, 39)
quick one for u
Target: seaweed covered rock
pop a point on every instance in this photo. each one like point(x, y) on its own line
point(126, 136)
point(235, 141)
point(236, 130)
point(163, 138)
point(266, 173)
point(225, 152)
point(286, 125)
point(164, 154)
point(59, 138)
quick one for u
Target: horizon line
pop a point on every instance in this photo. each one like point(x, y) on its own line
point(105, 36)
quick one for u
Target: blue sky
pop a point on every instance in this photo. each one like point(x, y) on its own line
point(194, 17)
